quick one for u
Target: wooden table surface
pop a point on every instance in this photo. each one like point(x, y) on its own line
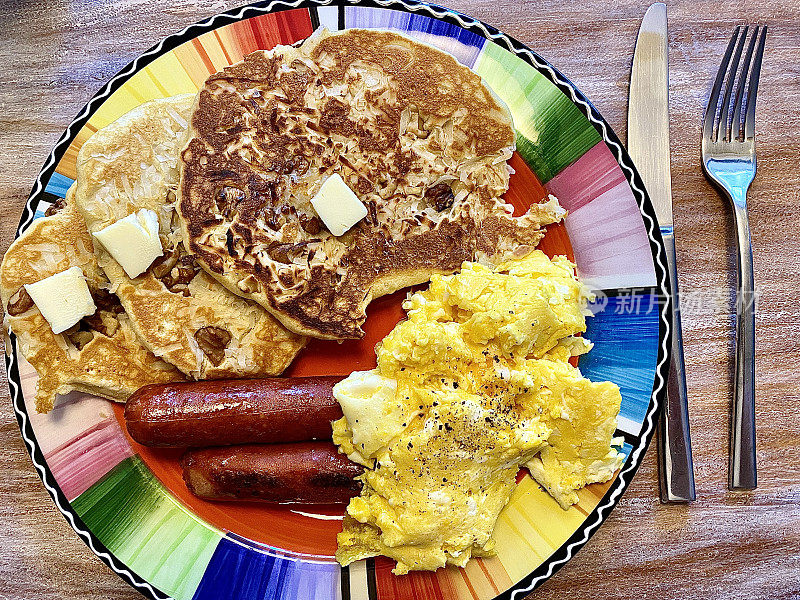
point(57, 53)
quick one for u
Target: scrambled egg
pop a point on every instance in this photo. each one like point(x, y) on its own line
point(472, 386)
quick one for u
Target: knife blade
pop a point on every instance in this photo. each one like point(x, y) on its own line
point(648, 146)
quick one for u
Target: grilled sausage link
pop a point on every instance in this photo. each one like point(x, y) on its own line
point(308, 472)
point(229, 412)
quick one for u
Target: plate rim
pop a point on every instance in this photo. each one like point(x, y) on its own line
point(610, 499)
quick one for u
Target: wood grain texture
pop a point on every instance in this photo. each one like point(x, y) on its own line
point(57, 53)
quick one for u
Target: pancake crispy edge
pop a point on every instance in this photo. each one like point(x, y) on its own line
point(251, 166)
point(178, 311)
point(110, 363)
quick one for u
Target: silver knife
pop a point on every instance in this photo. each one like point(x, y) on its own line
point(648, 145)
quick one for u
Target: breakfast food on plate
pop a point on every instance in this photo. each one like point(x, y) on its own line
point(308, 472)
point(127, 177)
point(84, 344)
point(475, 384)
point(222, 412)
point(319, 177)
point(307, 181)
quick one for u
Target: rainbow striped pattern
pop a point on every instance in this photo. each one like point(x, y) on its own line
point(140, 530)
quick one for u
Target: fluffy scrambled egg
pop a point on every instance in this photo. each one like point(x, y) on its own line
point(475, 384)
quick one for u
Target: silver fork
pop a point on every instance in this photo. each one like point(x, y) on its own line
point(729, 160)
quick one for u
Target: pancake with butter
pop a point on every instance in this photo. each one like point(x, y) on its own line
point(178, 311)
point(100, 355)
point(419, 139)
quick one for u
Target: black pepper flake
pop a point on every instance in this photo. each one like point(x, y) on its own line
point(455, 385)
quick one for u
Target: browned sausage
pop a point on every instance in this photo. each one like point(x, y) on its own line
point(310, 472)
point(227, 412)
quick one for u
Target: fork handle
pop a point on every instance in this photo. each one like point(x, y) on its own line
point(742, 465)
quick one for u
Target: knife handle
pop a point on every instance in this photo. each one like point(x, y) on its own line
point(676, 471)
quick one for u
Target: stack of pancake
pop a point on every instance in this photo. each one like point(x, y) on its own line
point(248, 269)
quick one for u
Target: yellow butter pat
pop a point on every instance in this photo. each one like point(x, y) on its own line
point(63, 298)
point(337, 205)
point(133, 241)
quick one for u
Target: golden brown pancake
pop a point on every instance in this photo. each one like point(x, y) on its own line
point(419, 138)
point(178, 311)
point(100, 355)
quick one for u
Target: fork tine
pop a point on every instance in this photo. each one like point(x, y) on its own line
point(711, 108)
point(736, 121)
point(722, 125)
point(750, 115)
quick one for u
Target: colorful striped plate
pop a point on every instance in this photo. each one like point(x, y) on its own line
point(128, 503)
